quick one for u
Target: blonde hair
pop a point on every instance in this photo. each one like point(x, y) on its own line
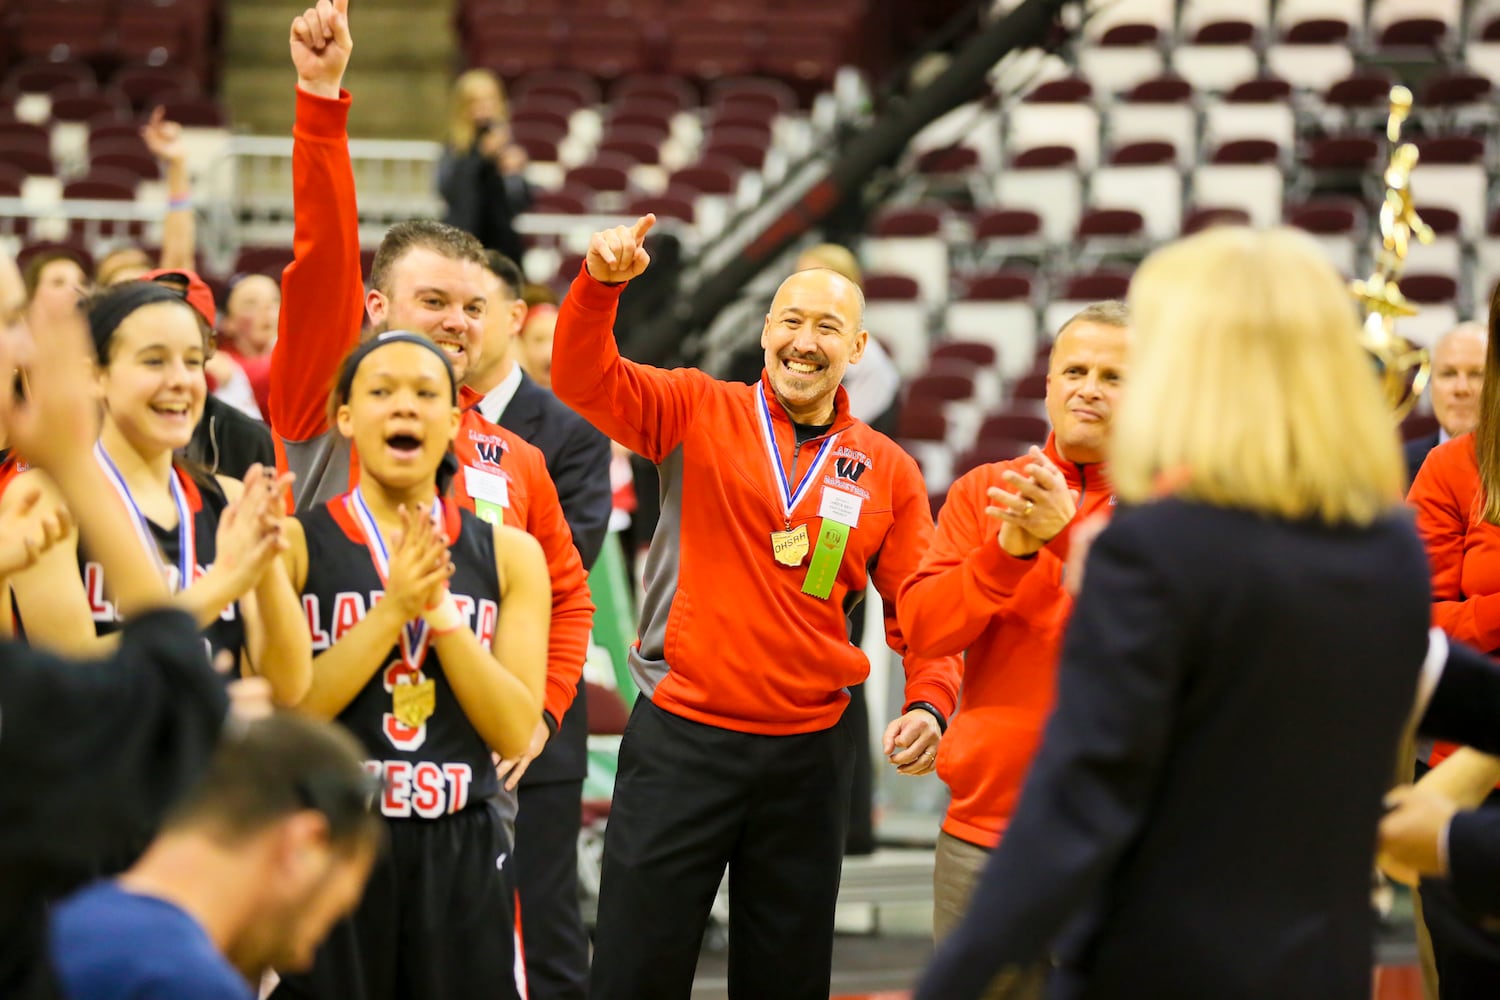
point(1247, 375)
point(460, 125)
point(836, 258)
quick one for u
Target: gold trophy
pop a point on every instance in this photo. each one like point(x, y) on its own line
point(1404, 368)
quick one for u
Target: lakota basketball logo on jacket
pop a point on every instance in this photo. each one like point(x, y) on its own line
point(488, 449)
point(420, 742)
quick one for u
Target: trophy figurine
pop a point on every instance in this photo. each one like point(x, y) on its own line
point(1404, 368)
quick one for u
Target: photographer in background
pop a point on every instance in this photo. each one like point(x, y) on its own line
point(480, 175)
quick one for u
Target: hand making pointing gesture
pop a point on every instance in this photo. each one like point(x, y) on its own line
point(321, 46)
point(619, 254)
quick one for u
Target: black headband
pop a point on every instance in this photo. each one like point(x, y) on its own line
point(110, 309)
point(358, 355)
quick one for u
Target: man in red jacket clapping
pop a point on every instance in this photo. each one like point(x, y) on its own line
point(992, 587)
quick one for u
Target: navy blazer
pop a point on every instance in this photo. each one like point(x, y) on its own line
point(1416, 451)
point(1231, 693)
point(578, 460)
point(1465, 708)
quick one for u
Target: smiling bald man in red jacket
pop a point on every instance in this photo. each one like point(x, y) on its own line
point(991, 587)
point(777, 508)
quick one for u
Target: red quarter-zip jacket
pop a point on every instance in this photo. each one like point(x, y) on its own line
point(1463, 550)
point(322, 310)
point(1007, 615)
point(727, 636)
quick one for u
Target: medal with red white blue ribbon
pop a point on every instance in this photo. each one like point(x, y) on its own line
point(413, 699)
point(789, 547)
point(187, 551)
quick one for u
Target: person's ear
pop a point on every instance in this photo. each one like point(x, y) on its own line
point(377, 306)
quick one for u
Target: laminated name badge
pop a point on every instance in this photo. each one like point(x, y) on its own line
point(840, 514)
point(490, 493)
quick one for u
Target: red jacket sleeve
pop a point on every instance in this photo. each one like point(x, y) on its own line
point(572, 609)
point(930, 678)
point(1443, 494)
point(646, 409)
point(966, 578)
point(322, 293)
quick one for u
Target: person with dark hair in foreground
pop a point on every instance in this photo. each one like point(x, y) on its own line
point(249, 873)
point(90, 753)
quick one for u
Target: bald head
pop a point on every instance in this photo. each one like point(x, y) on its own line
point(1473, 333)
point(823, 283)
point(1458, 360)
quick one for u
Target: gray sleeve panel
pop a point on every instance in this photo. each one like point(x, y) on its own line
point(648, 664)
point(322, 468)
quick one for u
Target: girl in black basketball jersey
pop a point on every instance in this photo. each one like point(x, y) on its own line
point(431, 627)
point(220, 557)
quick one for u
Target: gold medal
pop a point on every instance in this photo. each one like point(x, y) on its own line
point(413, 704)
point(790, 546)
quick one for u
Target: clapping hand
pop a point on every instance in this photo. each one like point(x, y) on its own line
point(250, 534)
point(321, 45)
point(420, 564)
point(31, 522)
point(1036, 509)
point(619, 254)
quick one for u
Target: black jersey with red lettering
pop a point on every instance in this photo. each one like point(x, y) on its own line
point(206, 502)
point(440, 764)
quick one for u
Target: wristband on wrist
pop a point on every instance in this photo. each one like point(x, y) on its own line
point(929, 707)
point(444, 616)
point(180, 204)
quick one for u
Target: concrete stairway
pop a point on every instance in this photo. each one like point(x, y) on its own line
point(404, 61)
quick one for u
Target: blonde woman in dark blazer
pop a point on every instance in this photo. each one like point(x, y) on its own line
point(1200, 820)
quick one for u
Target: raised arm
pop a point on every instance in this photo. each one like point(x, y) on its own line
point(179, 227)
point(322, 295)
point(646, 409)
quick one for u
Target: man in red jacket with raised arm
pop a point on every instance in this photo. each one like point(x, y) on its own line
point(992, 587)
point(428, 278)
point(777, 508)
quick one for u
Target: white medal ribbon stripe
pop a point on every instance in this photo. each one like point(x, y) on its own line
point(789, 498)
point(416, 633)
point(187, 549)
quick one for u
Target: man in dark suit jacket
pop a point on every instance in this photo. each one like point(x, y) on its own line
point(1425, 835)
point(551, 783)
point(1457, 378)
